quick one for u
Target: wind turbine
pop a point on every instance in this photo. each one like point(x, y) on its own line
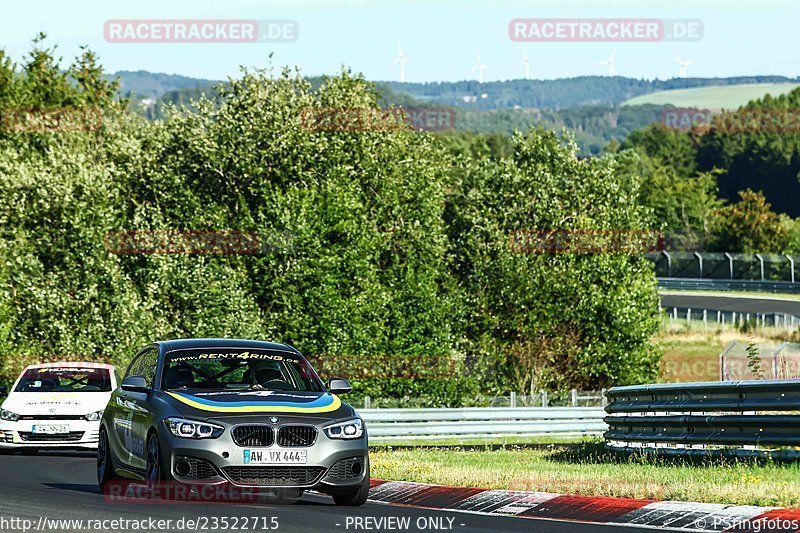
point(401, 59)
point(610, 63)
point(683, 64)
point(526, 66)
point(479, 66)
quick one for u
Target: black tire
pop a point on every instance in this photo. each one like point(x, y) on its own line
point(155, 474)
point(288, 496)
point(356, 496)
point(105, 464)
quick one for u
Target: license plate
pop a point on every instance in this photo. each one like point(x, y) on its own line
point(275, 457)
point(50, 430)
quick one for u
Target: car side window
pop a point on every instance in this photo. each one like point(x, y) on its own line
point(145, 365)
point(149, 365)
point(133, 366)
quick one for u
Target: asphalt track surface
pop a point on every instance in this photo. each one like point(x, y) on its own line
point(739, 304)
point(61, 485)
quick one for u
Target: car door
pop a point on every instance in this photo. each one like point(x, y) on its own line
point(131, 413)
point(139, 405)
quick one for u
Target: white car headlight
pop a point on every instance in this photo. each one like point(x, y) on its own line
point(8, 415)
point(352, 429)
point(192, 429)
point(93, 417)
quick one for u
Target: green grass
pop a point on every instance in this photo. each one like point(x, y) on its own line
point(589, 469)
point(717, 97)
point(488, 441)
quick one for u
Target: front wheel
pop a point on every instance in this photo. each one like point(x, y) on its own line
point(105, 466)
point(354, 497)
point(154, 472)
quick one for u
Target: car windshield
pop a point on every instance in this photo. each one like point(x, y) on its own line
point(65, 379)
point(220, 368)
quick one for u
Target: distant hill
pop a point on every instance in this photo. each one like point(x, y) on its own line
point(141, 84)
point(714, 97)
point(562, 93)
point(595, 109)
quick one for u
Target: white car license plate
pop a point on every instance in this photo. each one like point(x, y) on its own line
point(50, 429)
point(275, 457)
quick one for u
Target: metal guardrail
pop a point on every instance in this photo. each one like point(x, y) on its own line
point(725, 266)
point(393, 425)
point(744, 417)
point(703, 284)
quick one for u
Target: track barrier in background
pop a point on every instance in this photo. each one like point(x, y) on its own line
point(729, 418)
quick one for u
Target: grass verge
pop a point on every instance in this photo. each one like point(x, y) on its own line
point(491, 442)
point(588, 469)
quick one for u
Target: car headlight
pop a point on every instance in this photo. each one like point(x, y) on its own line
point(93, 417)
point(8, 415)
point(352, 429)
point(192, 429)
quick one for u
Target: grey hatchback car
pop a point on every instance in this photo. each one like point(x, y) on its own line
point(233, 412)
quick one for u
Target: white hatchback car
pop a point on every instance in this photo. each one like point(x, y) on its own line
point(56, 405)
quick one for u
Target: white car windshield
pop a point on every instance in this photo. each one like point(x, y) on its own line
point(65, 379)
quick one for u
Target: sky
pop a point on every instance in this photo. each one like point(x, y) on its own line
point(439, 37)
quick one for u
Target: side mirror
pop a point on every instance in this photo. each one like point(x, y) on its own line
point(339, 386)
point(134, 384)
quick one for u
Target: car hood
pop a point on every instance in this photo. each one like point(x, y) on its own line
point(238, 403)
point(56, 403)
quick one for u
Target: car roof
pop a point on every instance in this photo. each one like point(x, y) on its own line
point(184, 344)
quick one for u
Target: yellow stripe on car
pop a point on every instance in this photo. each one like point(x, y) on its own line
point(333, 406)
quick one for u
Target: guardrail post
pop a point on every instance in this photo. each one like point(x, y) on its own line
point(730, 262)
point(699, 262)
point(544, 398)
point(367, 402)
point(574, 397)
point(513, 399)
point(761, 262)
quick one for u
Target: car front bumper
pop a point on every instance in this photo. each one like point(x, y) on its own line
point(331, 463)
point(82, 434)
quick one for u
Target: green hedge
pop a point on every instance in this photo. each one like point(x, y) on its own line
point(371, 242)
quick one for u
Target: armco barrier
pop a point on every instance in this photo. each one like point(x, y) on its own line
point(738, 417)
point(698, 284)
point(394, 425)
